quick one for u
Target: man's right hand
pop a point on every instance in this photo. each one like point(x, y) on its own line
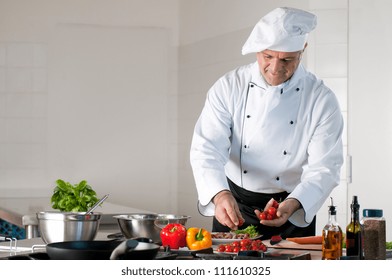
point(226, 210)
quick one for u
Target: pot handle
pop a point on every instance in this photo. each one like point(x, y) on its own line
point(161, 223)
point(123, 248)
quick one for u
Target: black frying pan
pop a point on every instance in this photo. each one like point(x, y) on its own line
point(101, 250)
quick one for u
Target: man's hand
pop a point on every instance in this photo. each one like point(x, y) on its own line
point(285, 210)
point(226, 210)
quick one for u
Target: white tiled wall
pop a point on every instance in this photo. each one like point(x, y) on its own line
point(23, 112)
point(328, 59)
point(29, 90)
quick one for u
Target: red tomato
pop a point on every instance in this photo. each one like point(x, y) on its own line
point(244, 245)
point(254, 248)
point(263, 247)
point(263, 216)
point(258, 241)
point(245, 242)
point(236, 249)
point(228, 248)
point(275, 204)
point(272, 212)
point(221, 248)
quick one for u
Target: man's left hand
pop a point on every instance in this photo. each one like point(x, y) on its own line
point(285, 210)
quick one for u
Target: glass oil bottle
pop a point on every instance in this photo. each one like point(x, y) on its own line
point(354, 232)
point(332, 236)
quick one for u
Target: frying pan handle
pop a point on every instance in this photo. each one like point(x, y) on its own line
point(123, 248)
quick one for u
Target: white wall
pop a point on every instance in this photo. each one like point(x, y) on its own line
point(88, 91)
point(370, 100)
point(328, 59)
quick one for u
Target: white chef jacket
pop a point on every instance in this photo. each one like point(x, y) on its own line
point(269, 139)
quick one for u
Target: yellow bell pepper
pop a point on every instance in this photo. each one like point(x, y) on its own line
point(198, 238)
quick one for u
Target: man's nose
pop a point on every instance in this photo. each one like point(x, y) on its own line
point(275, 66)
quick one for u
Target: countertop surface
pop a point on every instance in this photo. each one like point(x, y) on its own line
point(36, 245)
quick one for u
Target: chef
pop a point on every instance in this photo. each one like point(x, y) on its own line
point(268, 131)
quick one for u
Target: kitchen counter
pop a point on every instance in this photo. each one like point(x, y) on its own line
point(22, 213)
point(36, 245)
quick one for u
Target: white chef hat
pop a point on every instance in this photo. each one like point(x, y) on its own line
point(283, 29)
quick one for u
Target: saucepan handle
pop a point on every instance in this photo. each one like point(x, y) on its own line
point(123, 248)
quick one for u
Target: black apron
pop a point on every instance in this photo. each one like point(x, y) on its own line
point(248, 201)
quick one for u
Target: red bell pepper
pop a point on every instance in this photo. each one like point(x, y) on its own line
point(173, 235)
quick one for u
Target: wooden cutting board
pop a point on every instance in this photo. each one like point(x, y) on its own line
point(284, 244)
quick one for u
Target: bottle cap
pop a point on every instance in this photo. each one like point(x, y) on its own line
point(372, 213)
point(355, 205)
point(332, 208)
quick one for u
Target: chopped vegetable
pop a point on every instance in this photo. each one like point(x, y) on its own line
point(73, 198)
point(229, 235)
point(306, 239)
point(388, 245)
point(174, 236)
point(198, 238)
point(251, 230)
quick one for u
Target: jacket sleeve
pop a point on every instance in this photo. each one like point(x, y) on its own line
point(325, 158)
point(210, 146)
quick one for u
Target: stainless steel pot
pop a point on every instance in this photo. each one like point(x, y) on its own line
point(55, 226)
point(147, 225)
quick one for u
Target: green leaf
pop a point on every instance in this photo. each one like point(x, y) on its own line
point(73, 198)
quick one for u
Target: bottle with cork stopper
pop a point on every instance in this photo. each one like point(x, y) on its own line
point(332, 236)
point(354, 232)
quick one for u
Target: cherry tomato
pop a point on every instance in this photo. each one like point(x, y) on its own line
point(258, 241)
point(275, 204)
point(236, 249)
point(256, 248)
point(221, 248)
point(228, 248)
point(244, 248)
point(263, 216)
point(272, 212)
point(245, 242)
point(243, 245)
